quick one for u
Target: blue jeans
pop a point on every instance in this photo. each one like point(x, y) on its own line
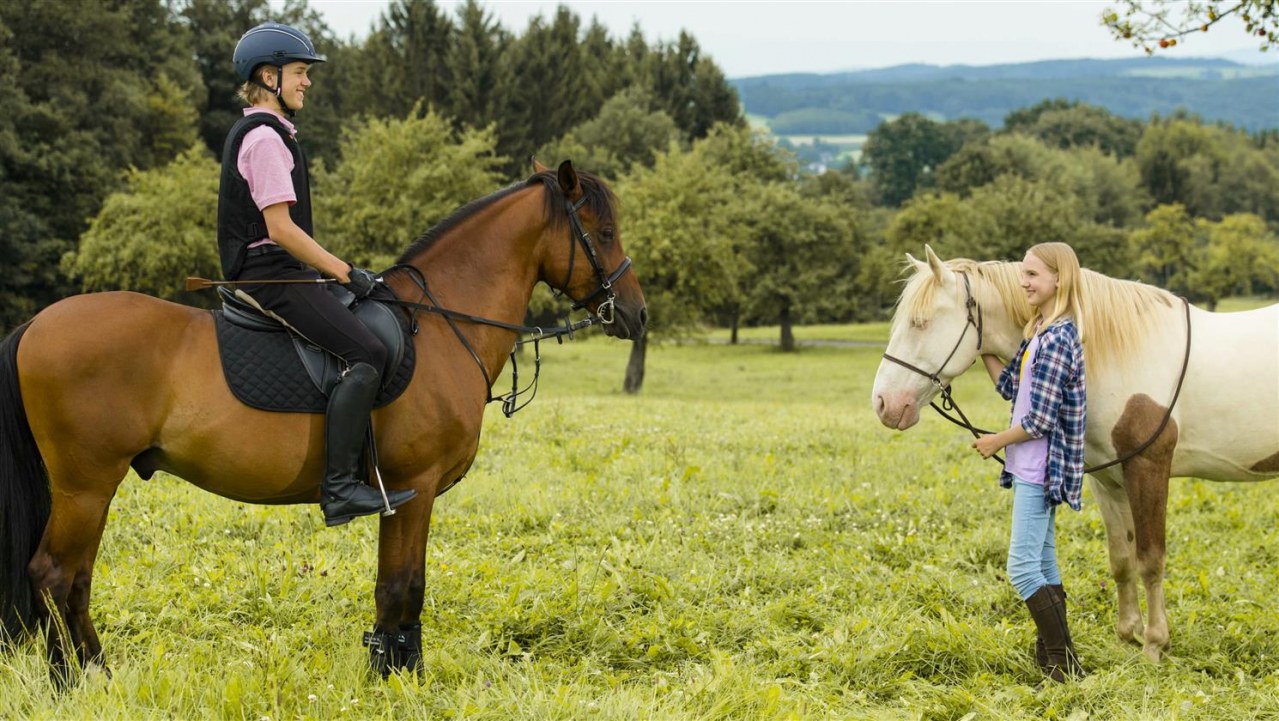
point(1032, 551)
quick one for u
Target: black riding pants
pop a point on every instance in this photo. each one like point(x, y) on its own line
point(311, 309)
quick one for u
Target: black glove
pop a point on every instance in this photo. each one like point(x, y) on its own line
point(361, 283)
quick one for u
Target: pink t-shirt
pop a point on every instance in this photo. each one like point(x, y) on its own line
point(267, 165)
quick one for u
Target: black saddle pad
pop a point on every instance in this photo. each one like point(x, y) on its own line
point(264, 371)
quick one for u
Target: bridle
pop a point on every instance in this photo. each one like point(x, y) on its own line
point(604, 313)
point(606, 280)
point(975, 320)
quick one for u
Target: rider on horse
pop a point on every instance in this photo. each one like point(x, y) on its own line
point(265, 233)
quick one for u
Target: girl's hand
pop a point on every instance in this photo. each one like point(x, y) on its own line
point(988, 445)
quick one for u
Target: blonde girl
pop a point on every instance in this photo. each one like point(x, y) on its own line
point(1044, 444)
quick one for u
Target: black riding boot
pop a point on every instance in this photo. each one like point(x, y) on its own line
point(342, 495)
point(1048, 610)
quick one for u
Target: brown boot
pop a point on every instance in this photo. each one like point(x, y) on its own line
point(1048, 610)
point(1041, 654)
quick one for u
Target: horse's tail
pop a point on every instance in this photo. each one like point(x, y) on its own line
point(24, 497)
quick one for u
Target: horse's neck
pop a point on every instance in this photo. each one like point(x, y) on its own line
point(486, 266)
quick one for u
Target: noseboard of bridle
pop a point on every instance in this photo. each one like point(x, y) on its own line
point(602, 315)
point(974, 320)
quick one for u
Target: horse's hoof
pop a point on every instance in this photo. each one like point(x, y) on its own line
point(96, 668)
point(1132, 634)
point(1153, 653)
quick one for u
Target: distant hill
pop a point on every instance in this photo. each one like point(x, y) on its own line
point(1246, 96)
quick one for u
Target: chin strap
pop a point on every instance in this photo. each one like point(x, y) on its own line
point(277, 91)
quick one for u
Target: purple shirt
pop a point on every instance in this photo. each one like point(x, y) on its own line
point(1028, 460)
point(267, 165)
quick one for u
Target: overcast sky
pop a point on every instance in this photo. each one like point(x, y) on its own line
point(764, 37)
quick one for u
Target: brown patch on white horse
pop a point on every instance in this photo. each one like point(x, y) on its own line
point(1146, 483)
point(1269, 464)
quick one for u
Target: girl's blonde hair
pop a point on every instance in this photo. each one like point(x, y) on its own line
point(1060, 259)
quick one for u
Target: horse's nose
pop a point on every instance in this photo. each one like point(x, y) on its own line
point(643, 318)
point(879, 404)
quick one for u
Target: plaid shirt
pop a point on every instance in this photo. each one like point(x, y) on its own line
point(1058, 406)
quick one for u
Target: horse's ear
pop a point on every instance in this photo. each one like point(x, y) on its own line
point(916, 262)
point(537, 167)
point(938, 267)
point(568, 180)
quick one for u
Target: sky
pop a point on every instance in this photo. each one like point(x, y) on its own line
point(763, 37)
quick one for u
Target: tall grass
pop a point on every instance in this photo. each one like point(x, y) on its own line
point(743, 540)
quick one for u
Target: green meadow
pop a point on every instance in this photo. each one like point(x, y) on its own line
point(742, 540)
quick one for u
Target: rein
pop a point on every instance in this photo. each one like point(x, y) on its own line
point(949, 402)
point(603, 315)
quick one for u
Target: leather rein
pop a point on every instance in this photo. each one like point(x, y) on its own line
point(604, 314)
point(975, 320)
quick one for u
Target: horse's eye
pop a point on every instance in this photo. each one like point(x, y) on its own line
point(606, 234)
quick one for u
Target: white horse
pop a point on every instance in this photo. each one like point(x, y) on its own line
point(1224, 425)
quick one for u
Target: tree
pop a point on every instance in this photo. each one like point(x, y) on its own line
point(803, 258)
point(90, 89)
point(1240, 255)
point(1165, 250)
point(533, 113)
point(1159, 24)
point(160, 228)
point(690, 87)
point(1211, 170)
point(904, 153)
point(475, 64)
point(1063, 124)
point(684, 226)
point(626, 131)
point(397, 178)
point(404, 60)
point(1000, 220)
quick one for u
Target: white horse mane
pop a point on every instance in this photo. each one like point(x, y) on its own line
point(1116, 313)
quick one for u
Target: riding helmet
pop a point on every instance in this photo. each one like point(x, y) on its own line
point(274, 44)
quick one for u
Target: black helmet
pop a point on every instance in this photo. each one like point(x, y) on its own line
point(274, 44)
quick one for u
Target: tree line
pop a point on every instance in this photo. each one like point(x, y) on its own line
point(723, 226)
point(95, 94)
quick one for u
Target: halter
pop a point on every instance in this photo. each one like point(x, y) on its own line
point(603, 315)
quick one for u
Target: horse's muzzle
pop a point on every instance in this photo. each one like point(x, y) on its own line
point(628, 323)
point(898, 411)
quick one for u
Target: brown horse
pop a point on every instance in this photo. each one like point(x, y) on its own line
point(97, 383)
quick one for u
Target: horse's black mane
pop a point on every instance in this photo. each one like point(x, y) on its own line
point(598, 197)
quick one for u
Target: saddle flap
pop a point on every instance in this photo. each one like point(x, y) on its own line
point(273, 370)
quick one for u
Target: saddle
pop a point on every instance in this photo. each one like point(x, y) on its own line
point(272, 368)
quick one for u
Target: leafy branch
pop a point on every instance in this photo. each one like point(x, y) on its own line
point(1154, 24)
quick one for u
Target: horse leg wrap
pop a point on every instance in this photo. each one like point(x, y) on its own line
point(382, 646)
point(408, 648)
point(399, 650)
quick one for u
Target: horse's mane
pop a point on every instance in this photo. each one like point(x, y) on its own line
point(598, 197)
point(1115, 313)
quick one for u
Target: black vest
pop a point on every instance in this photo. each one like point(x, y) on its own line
point(239, 220)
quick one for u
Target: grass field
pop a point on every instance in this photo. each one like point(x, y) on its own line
point(743, 540)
